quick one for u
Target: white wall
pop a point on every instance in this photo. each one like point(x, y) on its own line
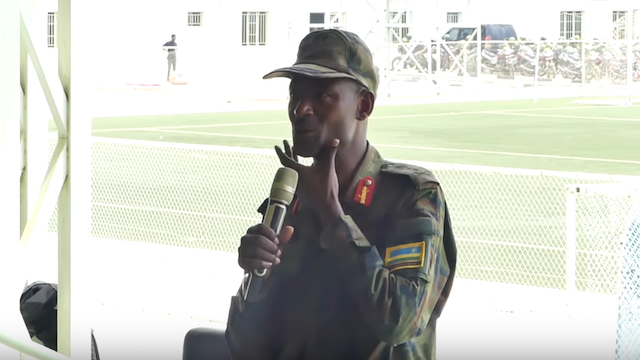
point(133, 31)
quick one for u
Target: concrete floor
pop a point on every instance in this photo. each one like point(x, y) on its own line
point(462, 334)
point(146, 298)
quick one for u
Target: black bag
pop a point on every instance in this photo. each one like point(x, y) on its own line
point(38, 306)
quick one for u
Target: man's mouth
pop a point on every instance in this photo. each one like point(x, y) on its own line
point(304, 131)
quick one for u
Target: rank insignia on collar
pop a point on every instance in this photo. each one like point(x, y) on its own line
point(364, 191)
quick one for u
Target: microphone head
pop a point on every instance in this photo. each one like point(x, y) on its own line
point(284, 185)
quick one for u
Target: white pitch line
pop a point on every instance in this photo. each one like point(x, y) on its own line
point(489, 112)
point(213, 134)
point(568, 108)
point(194, 126)
point(222, 125)
point(511, 154)
point(567, 116)
point(425, 148)
point(371, 118)
point(284, 122)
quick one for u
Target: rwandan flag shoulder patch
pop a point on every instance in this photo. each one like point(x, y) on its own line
point(407, 256)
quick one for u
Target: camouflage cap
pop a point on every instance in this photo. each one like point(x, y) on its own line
point(333, 54)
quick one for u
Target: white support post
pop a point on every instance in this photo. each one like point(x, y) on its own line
point(536, 74)
point(10, 101)
point(479, 57)
point(74, 219)
point(44, 202)
point(583, 65)
point(53, 92)
point(25, 206)
point(571, 207)
point(387, 43)
point(58, 102)
point(10, 111)
point(630, 55)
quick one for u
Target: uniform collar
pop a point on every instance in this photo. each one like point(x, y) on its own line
point(361, 190)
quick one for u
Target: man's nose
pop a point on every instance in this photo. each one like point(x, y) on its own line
point(303, 108)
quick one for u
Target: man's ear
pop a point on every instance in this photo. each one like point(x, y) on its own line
point(366, 101)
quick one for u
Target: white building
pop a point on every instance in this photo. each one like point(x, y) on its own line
point(225, 40)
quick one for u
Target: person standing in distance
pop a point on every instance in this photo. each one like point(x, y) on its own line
point(171, 54)
point(371, 263)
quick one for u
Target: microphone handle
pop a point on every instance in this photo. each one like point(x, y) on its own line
point(274, 217)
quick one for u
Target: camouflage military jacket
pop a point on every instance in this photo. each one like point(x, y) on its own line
point(370, 286)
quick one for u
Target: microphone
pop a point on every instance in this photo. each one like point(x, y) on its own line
point(280, 197)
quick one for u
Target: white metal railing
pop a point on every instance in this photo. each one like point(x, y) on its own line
point(503, 69)
point(73, 335)
point(405, 71)
point(30, 348)
point(583, 67)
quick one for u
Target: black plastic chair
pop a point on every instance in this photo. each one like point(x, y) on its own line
point(205, 343)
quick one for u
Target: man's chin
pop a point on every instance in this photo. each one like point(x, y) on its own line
point(306, 151)
point(306, 154)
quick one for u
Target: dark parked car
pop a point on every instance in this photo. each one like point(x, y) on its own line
point(487, 31)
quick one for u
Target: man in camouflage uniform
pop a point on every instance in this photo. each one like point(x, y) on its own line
point(371, 263)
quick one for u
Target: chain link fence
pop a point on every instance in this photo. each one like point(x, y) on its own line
point(602, 216)
point(628, 334)
point(510, 224)
point(163, 201)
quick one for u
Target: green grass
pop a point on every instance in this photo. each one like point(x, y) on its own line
point(433, 131)
point(511, 228)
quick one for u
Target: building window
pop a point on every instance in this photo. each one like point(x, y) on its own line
point(453, 17)
point(619, 25)
point(570, 24)
point(254, 28)
point(321, 21)
point(194, 19)
point(395, 34)
point(52, 18)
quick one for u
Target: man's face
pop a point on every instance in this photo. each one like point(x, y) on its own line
point(173, 38)
point(321, 110)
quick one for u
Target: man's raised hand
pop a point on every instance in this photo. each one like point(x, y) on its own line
point(317, 183)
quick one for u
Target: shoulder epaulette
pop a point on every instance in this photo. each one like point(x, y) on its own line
point(419, 175)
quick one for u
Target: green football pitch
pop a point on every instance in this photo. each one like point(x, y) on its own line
point(557, 134)
point(511, 228)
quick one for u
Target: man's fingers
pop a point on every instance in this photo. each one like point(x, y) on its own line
point(249, 244)
point(285, 160)
point(285, 235)
point(287, 149)
point(329, 157)
point(262, 230)
point(290, 151)
point(254, 264)
point(334, 148)
point(259, 254)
